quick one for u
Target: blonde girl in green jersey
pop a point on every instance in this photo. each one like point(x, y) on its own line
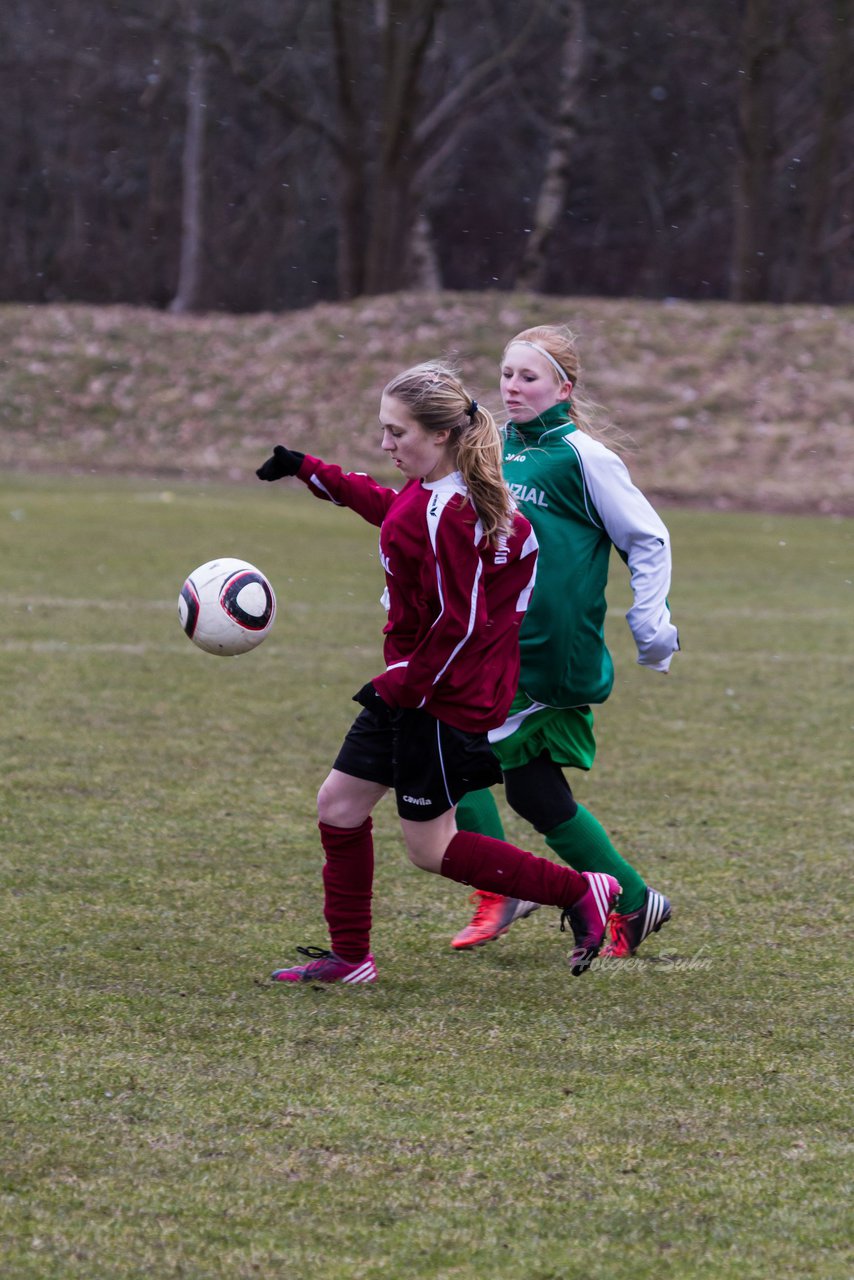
point(581, 501)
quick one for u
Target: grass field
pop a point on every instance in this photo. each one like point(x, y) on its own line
point(167, 1112)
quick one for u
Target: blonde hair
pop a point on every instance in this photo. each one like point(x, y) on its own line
point(437, 399)
point(559, 345)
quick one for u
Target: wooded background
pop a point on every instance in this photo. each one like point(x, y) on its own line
point(251, 155)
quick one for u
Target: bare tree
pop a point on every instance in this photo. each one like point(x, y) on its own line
point(325, 149)
point(405, 35)
point(401, 102)
point(188, 294)
point(425, 269)
point(533, 270)
point(820, 237)
point(753, 196)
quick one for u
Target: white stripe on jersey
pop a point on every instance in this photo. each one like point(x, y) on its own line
point(472, 613)
point(321, 487)
point(435, 508)
point(531, 545)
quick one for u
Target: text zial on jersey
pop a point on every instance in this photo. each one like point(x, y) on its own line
point(522, 493)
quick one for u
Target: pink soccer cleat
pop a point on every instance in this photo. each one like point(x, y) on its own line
point(325, 966)
point(629, 931)
point(588, 918)
point(493, 916)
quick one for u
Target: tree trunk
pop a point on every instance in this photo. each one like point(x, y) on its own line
point(352, 214)
point(810, 276)
point(188, 295)
point(353, 193)
point(387, 257)
point(424, 270)
point(533, 270)
point(405, 43)
point(752, 247)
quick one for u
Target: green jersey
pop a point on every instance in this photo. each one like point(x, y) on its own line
point(580, 499)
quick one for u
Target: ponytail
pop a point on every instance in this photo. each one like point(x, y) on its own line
point(479, 456)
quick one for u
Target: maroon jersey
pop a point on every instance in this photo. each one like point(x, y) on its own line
point(455, 603)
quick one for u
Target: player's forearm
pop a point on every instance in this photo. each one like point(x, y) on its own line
point(358, 492)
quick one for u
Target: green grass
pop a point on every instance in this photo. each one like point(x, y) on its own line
point(167, 1112)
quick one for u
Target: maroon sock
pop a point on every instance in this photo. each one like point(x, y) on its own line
point(499, 867)
point(348, 877)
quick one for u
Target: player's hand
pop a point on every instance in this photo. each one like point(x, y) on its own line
point(284, 462)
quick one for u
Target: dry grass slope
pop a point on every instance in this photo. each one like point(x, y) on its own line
point(715, 404)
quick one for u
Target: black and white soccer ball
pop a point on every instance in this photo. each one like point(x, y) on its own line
point(227, 607)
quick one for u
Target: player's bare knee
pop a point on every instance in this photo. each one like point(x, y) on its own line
point(419, 857)
point(325, 803)
point(335, 811)
point(345, 801)
point(334, 807)
point(426, 842)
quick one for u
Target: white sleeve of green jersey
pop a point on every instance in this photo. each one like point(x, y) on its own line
point(641, 537)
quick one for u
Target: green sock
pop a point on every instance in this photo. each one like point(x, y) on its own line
point(583, 842)
point(478, 812)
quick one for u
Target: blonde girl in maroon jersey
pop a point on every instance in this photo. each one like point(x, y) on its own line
point(459, 563)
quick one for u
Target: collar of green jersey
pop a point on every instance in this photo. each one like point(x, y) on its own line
point(557, 418)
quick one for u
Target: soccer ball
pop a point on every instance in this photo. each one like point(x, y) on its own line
point(227, 607)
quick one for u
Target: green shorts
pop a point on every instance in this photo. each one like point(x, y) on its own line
point(531, 728)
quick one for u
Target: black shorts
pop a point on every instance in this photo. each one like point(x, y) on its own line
point(429, 764)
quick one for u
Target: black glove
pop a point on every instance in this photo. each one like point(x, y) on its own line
point(372, 701)
point(284, 462)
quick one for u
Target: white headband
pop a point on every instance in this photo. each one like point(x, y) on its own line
point(562, 373)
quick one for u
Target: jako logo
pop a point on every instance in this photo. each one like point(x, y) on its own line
point(417, 800)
